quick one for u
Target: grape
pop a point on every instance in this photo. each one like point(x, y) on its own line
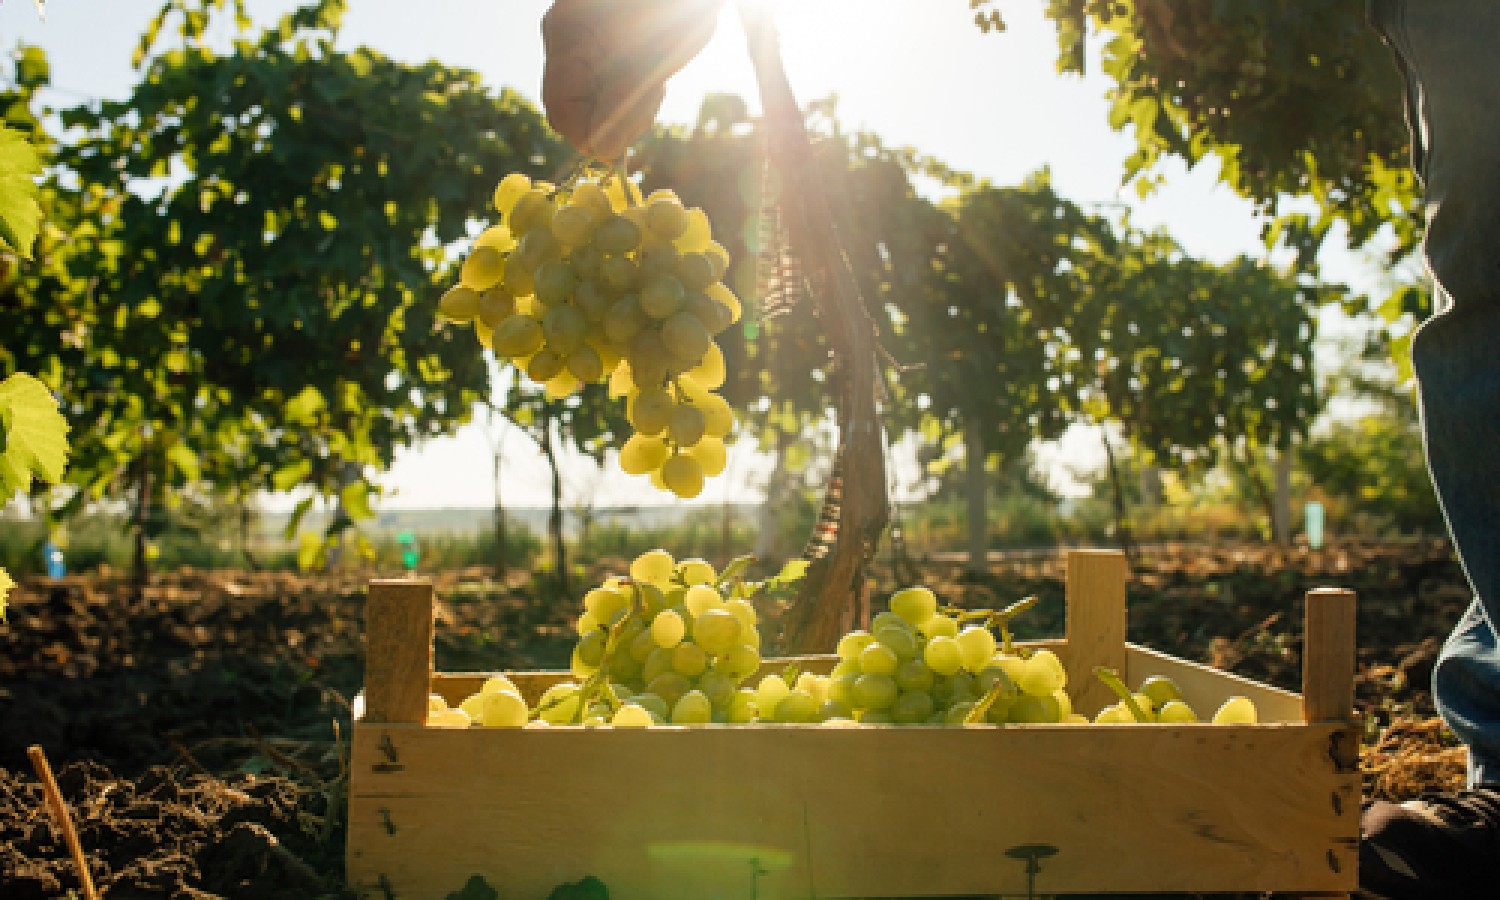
point(1176, 712)
point(709, 371)
point(685, 426)
point(555, 281)
point(939, 626)
point(482, 269)
point(532, 210)
point(561, 385)
point(585, 365)
point(648, 357)
point(696, 571)
point(624, 319)
point(669, 686)
point(711, 454)
point(873, 691)
point(502, 709)
point(683, 476)
point(642, 454)
point(559, 704)
point(770, 691)
point(1160, 689)
point(689, 659)
point(497, 683)
point(459, 304)
point(657, 662)
point(573, 225)
point(495, 305)
point(617, 235)
point(510, 189)
point(797, 706)
point(717, 631)
point(914, 675)
point(741, 661)
point(942, 655)
point(545, 365)
point(719, 687)
point(1041, 674)
point(700, 598)
point(631, 715)
point(1035, 709)
point(696, 236)
point(666, 218)
point(651, 410)
point(619, 273)
point(695, 271)
point(684, 335)
point(590, 648)
point(449, 718)
point(911, 707)
point(662, 295)
point(878, 659)
point(518, 335)
point(744, 706)
point(1236, 711)
point(975, 647)
point(692, 708)
point(915, 605)
point(654, 566)
point(668, 629)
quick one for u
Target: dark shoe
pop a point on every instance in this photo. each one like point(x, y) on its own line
point(1441, 846)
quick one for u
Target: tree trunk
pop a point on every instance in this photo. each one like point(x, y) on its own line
point(1281, 513)
point(141, 518)
point(1122, 527)
point(555, 518)
point(977, 487)
point(835, 588)
point(502, 559)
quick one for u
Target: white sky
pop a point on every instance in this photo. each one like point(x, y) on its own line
point(915, 72)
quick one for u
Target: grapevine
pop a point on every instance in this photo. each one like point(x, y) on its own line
point(588, 283)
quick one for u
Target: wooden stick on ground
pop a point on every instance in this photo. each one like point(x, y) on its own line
point(63, 818)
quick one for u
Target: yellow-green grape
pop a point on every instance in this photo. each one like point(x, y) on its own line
point(518, 335)
point(914, 675)
point(665, 216)
point(585, 365)
point(662, 295)
point(769, 692)
point(695, 271)
point(591, 299)
point(518, 281)
point(711, 455)
point(742, 660)
point(617, 235)
point(631, 715)
point(502, 709)
point(495, 305)
point(684, 335)
point(657, 662)
point(668, 629)
point(852, 643)
point(619, 274)
point(564, 326)
point(554, 282)
point(449, 718)
point(498, 683)
point(651, 410)
point(709, 371)
point(642, 454)
point(624, 320)
point(459, 304)
point(648, 357)
point(942, 655)
point(692, 708)
point(938, 625)
point(689, 659)
point(559, 704)
point(797, 707)
point(588, 653)
point(1160, 689)
point(1042, 674)
point(657, 257)
point(902, 641)
point(696, 571)
point(533, 211)
point(685, 427)
point(975, 647)
point(606, 603)
point(510, 189)
point(683, 476)
point(496, 237)
point(696, 236)
point(1236, 711)
point(641, 645)
point(654, 566)
point(573, 225)
point(911, 707)
point(878, 659)
point(1031, 708)
point(914, 604)
point(436, 703)
point(1176, 712)
point(742, 610)
point(562, 385)
point(720, 258)
point(1114, 714)
point(545, 365)
point(717, 631)
point(718, 686)
point(714, 316)
point(873, 691)
point(482, 269)
point(700, 598)
point(743, 706)
point(590, 196)
point(537, 248)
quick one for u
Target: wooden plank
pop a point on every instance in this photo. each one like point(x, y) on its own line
point(850, 812)
point(1328, 656)
point(1095, 625)
point(1205, 687)
point(398, 650)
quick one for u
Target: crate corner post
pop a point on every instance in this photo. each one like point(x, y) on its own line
point(1094, 623)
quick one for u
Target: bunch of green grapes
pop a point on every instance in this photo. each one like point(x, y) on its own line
point(672, 643)
point(1158, 699)
point(920, 665)
point(590, 284)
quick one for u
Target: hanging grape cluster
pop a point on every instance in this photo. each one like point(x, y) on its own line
point(591, 284)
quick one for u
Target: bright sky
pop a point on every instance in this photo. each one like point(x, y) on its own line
point(915, 72)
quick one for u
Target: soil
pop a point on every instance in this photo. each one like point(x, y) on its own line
point(198, 730)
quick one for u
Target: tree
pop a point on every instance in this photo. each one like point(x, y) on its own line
point(269, 239)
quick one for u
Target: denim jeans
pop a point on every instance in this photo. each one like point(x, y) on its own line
point(1447, 51)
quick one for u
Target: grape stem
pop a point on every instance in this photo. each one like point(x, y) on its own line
point(632, 193)
point(1003, 686)
point(1112, 681)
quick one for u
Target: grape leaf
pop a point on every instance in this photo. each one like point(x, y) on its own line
point(36, 436)
point(20, 215)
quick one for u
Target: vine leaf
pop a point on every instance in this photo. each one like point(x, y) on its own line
point(20, 215)
point(36, 436)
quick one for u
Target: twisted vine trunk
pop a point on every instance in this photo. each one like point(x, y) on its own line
point(834, 591)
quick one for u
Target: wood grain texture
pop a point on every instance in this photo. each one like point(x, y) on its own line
point(398, 650)
point(1095, 625)
point(1328, 656)
point(867, 811)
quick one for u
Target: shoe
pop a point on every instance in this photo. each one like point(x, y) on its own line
point(1441, 846)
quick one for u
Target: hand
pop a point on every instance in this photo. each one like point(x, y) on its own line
point(608, 61)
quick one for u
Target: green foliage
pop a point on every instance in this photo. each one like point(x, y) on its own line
point(20, 214)
point(33, 435)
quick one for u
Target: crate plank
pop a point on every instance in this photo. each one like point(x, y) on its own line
point(908, 811)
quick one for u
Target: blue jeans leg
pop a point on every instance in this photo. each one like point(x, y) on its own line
point(1447, 50)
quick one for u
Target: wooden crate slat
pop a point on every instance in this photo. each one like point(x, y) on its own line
point(875, 811)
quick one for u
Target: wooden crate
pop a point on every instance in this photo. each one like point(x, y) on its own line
point(788, 811)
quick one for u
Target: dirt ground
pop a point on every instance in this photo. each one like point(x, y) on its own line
point(198, 732)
